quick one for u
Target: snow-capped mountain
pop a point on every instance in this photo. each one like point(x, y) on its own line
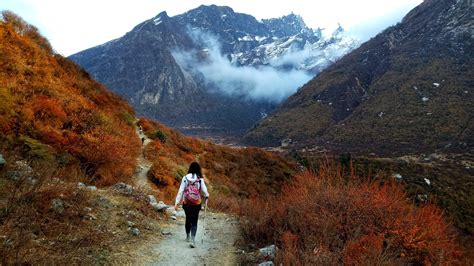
point(211, 67)
point(407, 90)
point(307, 50)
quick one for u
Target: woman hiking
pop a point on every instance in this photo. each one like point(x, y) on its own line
point(190, 194)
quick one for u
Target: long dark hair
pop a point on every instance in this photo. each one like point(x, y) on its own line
point(195, 168)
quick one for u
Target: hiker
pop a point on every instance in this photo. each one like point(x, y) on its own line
point(190, 194)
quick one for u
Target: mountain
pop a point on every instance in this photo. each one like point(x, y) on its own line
point(212, 69)
point(409, 89)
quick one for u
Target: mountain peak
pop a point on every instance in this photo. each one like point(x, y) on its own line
point(288, 25)
point(337, 32)
point(212, 8)
point(162, 14)
point(295, 18)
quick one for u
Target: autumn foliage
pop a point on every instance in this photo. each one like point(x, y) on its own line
point(51, 110)
point(325, 219)
point(232, 174)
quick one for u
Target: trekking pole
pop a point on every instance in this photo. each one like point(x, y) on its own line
point(203, 224)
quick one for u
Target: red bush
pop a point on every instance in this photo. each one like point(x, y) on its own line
point(48, 98)
point(350, 220)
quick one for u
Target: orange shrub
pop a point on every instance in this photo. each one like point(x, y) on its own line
point(233, 174)
point(52, 102)
point(350, 220)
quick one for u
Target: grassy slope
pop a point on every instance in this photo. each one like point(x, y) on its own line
point(232, 173)
point(51, 111)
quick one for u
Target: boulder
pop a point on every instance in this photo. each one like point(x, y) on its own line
point(152, 199)
point(421, 198)
point(160, 206)
point(123, 188)
point(92, 188)
point(130, 224)
point(135, 232)
point(268, 252)
point(57, 206)
point(166, 232)
point(21, 170)
point(398, 177)
point(266, 263)
point(81, 185)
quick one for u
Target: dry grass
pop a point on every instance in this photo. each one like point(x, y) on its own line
point(326, 218)
point(51, 110)
point(86, 231)
point(231, 174)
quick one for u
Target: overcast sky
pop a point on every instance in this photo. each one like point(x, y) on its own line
point(75, 25)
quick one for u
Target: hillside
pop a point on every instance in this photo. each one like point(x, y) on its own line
point(211, 70)
point(409, 89)
point(52, 112)
point(233, 174)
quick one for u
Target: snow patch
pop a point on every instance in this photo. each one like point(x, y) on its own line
point(398, 176)
point(246, 38)
point(436, 84)
point(427, 181)
point(425, 99)
point(157, 21)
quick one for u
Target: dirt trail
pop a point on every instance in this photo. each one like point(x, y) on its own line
point(215, 240)
point(216, 236)
point(143, 164)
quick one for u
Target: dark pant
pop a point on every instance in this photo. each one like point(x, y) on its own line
point(192, 215)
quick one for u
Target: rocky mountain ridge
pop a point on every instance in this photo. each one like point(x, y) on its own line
point(157, 66)
point(409, 89)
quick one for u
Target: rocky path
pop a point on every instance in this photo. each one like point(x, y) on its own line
point(143, 164)
point(216, 236)
point(215, 240)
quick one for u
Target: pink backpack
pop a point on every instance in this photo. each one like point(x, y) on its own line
point(192, 192)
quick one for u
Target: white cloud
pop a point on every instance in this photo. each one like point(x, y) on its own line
point(262, 83)
point(72, 26)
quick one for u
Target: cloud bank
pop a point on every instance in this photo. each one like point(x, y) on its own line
point(263, 83)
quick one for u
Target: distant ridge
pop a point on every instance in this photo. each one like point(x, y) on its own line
point(212, 70)
point(409, 89)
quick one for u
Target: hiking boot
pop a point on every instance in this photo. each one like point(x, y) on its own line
point(193, 244)
point(187, 239)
